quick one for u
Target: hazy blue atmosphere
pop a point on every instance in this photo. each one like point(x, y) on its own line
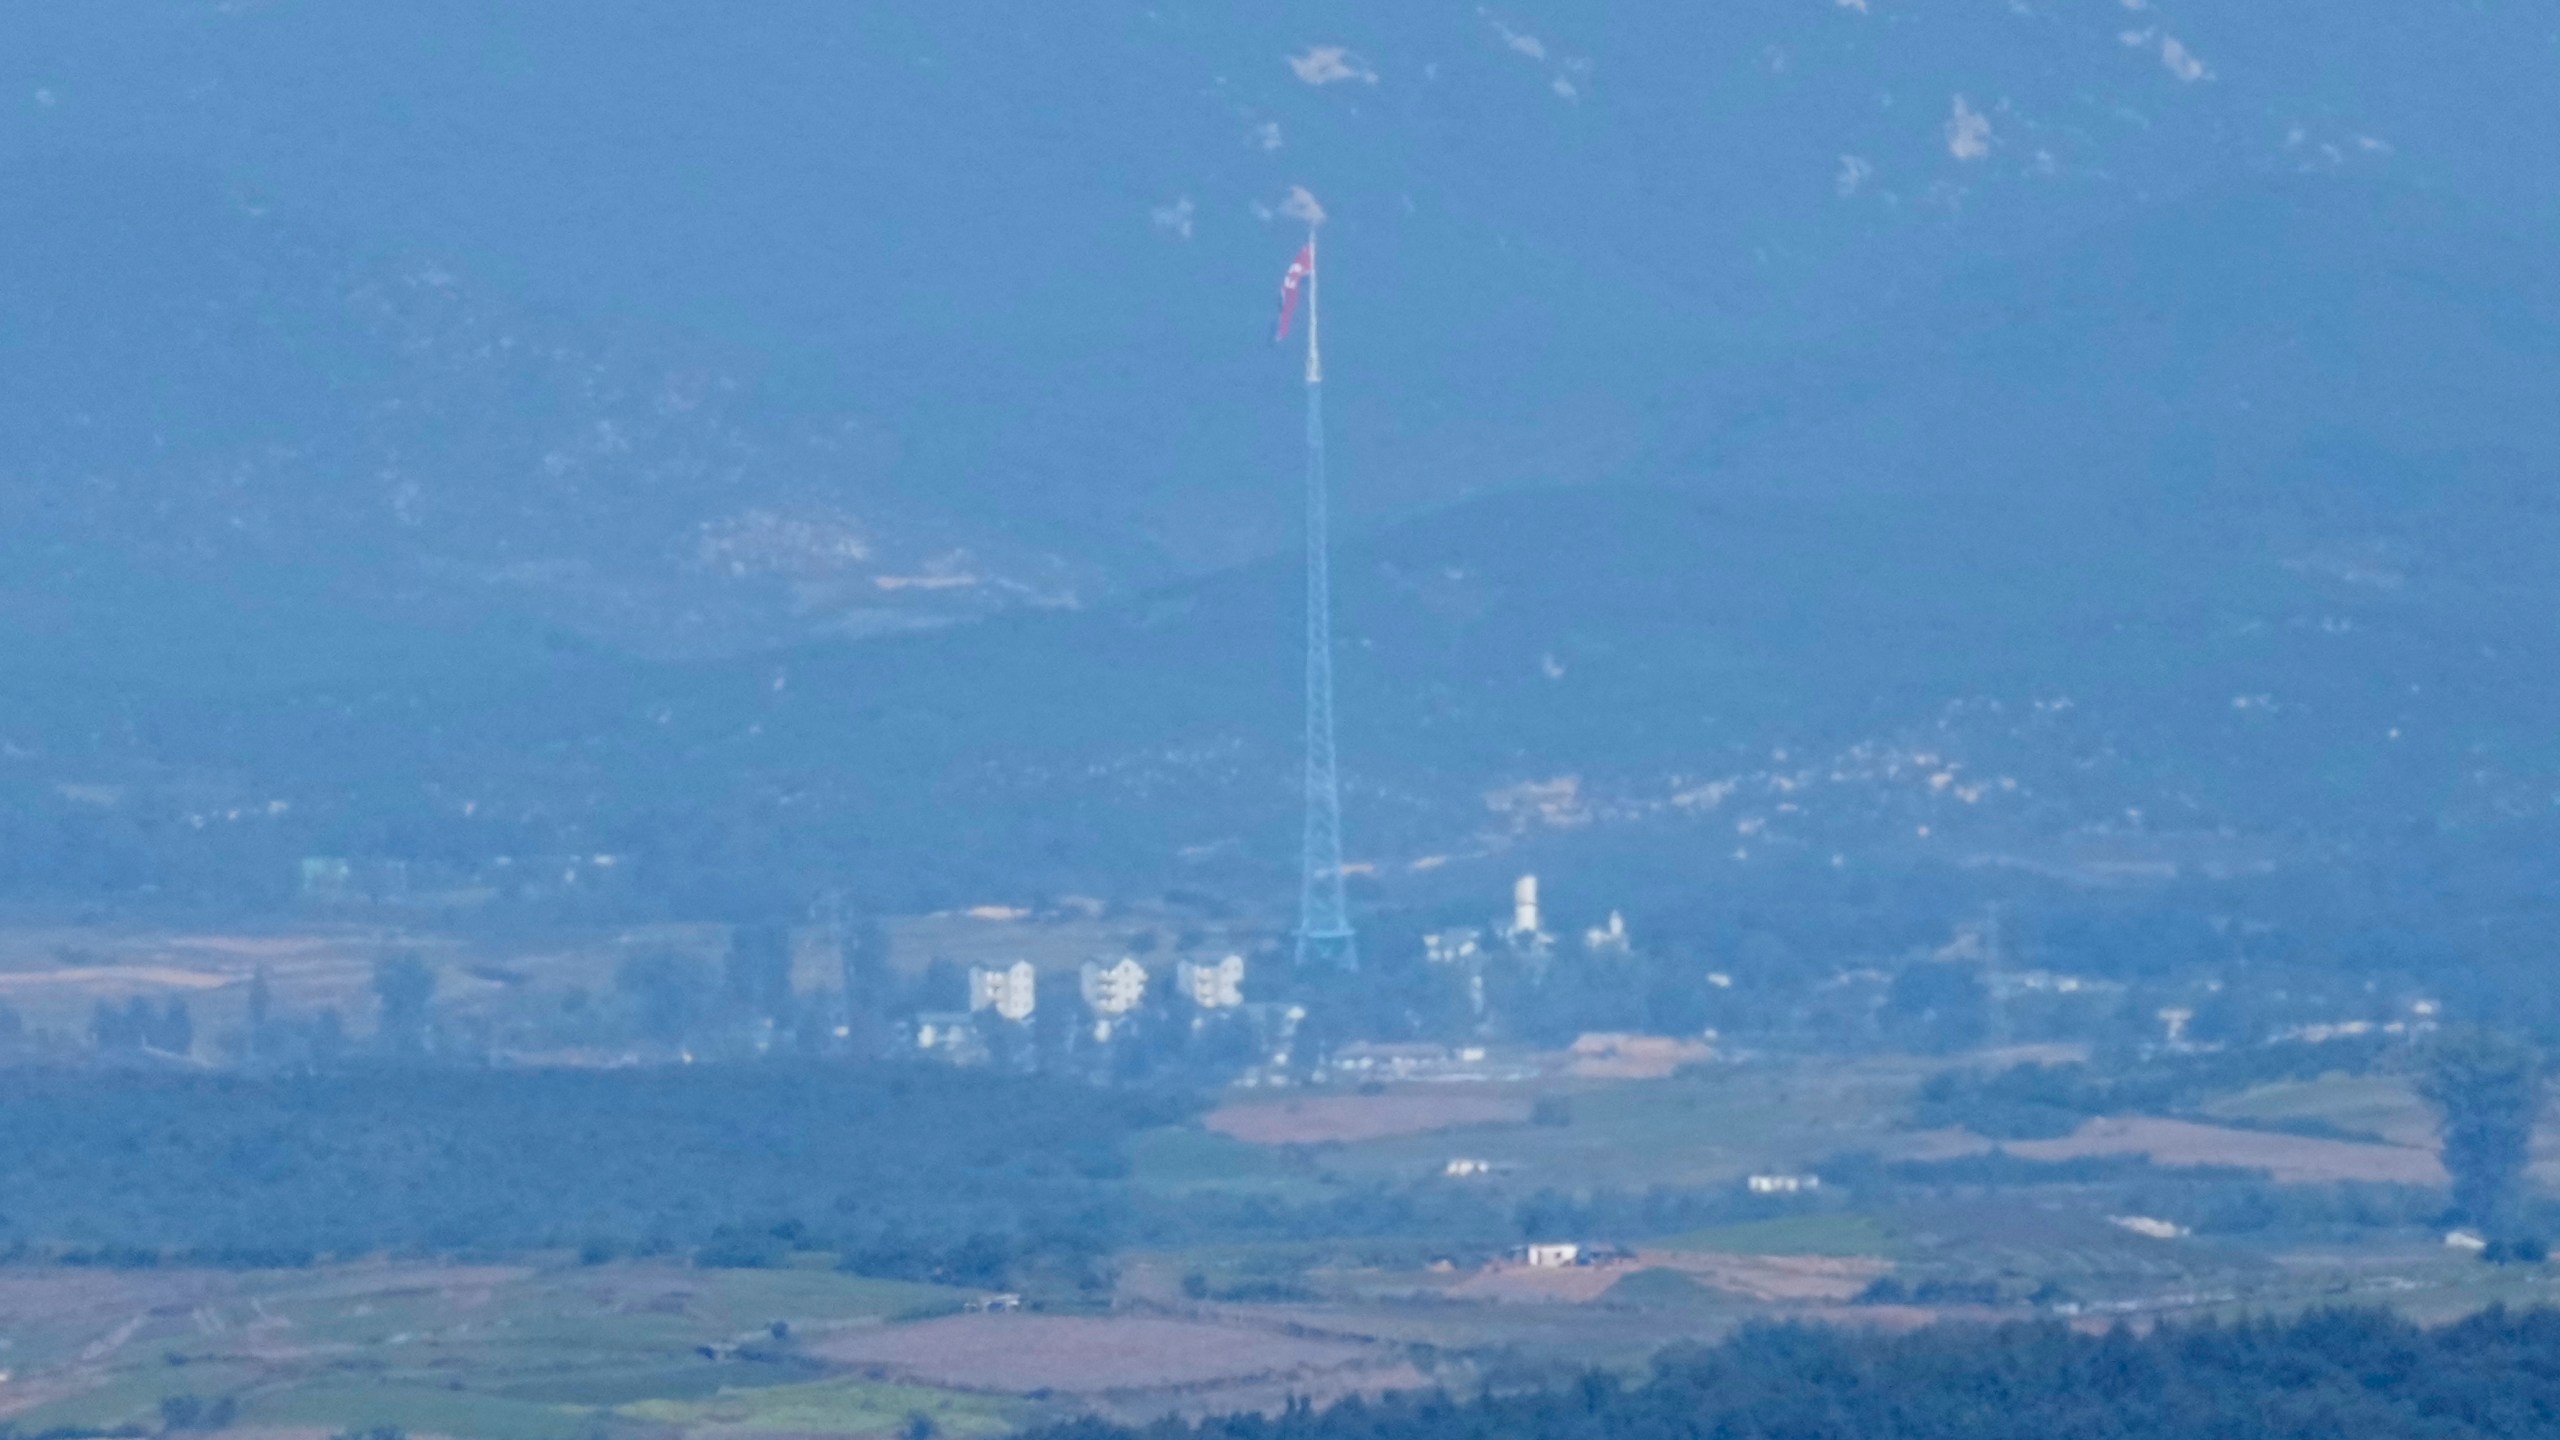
point(583, 582)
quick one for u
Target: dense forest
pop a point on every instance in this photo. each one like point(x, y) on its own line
point(922, 1172)
point(2363, 1374)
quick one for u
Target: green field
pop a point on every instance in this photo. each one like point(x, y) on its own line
point(833, 1407)
point(530, 1352)
point(2365, 1107)
point(1705, 1127)
point(1183, 1160)
point(1832, 1235)
point(1664, 1289)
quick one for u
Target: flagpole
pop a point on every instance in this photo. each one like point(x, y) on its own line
point(1325, 936)
point(1315, 277)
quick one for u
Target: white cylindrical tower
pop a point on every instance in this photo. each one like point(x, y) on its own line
point(1524, 906)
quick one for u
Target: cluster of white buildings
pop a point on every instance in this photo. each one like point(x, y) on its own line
point(1523, 934)
point(1112, 991)
point(2422, 1019)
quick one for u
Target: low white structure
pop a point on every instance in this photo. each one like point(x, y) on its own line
point(1464, 1169)
point(1390, 1060)
point(948, 1035)
point(2468, 1241)
point(1784, 1184)
point(1462, 946)
point(1609, 939)
point(1275, 1037)
point(2049, 982)
point(1212, 985)
point(1012, 991)
point(1557, 1255)
point(2150, 1226)
point(1461, 950)
point(2322, 1032)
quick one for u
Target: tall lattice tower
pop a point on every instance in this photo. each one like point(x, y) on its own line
point(1324, 915)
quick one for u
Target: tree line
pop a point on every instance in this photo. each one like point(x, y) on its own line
point(2361, 1373)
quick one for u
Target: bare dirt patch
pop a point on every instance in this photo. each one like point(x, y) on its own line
point(1777, 1278)
point(1344, 1119)
point(99, 1299)
point(115, 977)
point(1602, 1055)
point(1990, 1061)
point(2287, 1159)
point(1927, 1146)
point(1082, 1355)
point(1562, 1284)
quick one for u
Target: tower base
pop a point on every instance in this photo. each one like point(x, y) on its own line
point(1328, 950)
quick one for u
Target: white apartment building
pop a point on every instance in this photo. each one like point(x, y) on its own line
point(1212, 985)
point(1113, 990)
point(1012, 991)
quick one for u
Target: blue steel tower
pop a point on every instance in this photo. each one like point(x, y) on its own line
point(1324, 915)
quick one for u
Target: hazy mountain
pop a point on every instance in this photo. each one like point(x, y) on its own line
point(1793, 425)
point(213, 397)
point(1015, 268)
